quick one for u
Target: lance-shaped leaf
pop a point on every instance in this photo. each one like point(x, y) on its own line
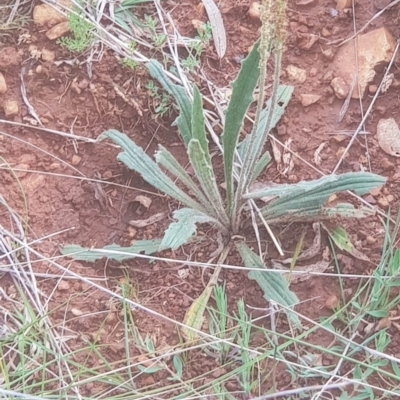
point(136, 159)
point(344, 210)
point(260, 166)
point(308, 196)
point(179, 232)
point(217, 26)
point(316, 192)
point(194, 317)
point(343, 241)
point(198, 130)
point(273, 284)
point(169, 162)
point(283, 97)
point(178, 92)
point(113, 251)
point(205, 175)
point(242, 97)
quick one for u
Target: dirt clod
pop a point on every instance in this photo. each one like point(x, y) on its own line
point(75, 160)
point(63, 286)
point(3, 84)
point(340, 87)
point(9, 57)
point(369, 57)
point(58, 30)
point(11, 108)
point(308, 99)
point(255, 10)
point(44, 14)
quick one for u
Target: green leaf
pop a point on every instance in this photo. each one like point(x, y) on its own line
point(178, 366)
point(194, 317)
point(273, 284)
point(310, 195)
point(198, 131)
point(343, 242)
point(378, 313)
point(261, 164)
point(358, 182)
point(168, 161)
point(178, 92)
point(344, 210)
point(149, 370)
point(136, 159)
point(206, 177)
point(179, 232)
point(111, 251)
point(283, 97)
point(242, 96)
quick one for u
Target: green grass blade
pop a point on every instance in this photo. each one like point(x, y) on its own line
point(136, 159)
point(178, 92)
point(179, 232)
point(273, 284)
point(242, 96)
point(206, 177)
point(91, 255)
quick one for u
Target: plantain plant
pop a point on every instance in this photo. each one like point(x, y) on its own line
point(202, 199)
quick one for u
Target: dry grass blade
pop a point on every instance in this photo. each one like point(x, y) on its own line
point(217, 25)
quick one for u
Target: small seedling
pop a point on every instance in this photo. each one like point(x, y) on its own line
point(82, 36)
point(197, 47)
point(158, 39)
point(219, 320)
point(128, 62)
point(161, 102)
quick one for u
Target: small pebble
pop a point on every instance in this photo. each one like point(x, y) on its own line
point(76, 312)
point(383, 202)
point(282, 130)
point(63, 286)
point(370, 240)
point(372, 89)
point(75, 160)
point(375, 191)
point(331, 302)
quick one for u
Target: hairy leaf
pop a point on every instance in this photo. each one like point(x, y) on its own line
point(113, 251)
point(273, 284)
point(283, 97)
point(194, 317)
point(242, 96)
point(179, 232)
point(310, 195)
point(358, 182)
point(260, 166)
point(168, 161)
point(178, 92)
point(343, 242)
point(136, 159)
point(206, 177)
point(217, 25)
point(344, 210)
point(198, 130)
